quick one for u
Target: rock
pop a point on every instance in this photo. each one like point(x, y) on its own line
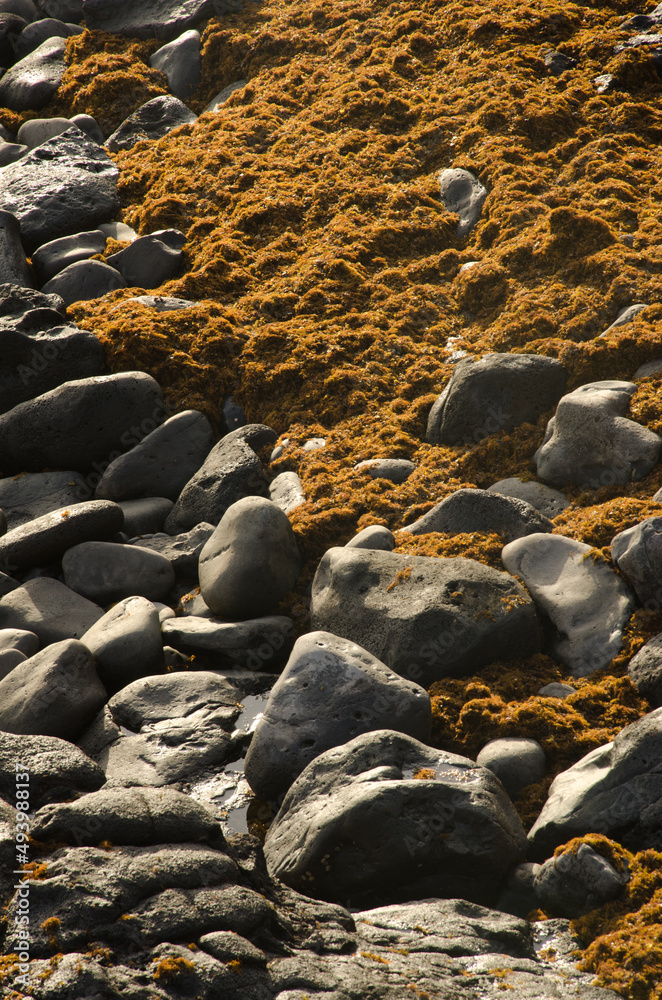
point(181, 64)
point(162, 462)
point(330, 691)
point(118, 231)
point(126, 643)
point(145, 516)
point(558, 62)
point(10, 658)
point(228, 946)
point(256, 644)
point(32, 133)
point(547, 501)
point(33, 35)
point(11, 26)
point(57, 768)
point(636, 552)
point(181, 551)
point(375, 536)
point(53, 257)
point(516, 761)
point(577, 881)
point(314, 444)
point(46, 539)
point(162, 303)
point(250, 562)
point(615, 790)
point(425, 618)
point(11, 152)
point(645, 670)
point(469, 510)
point(464, 195)
point(286, 491)
point(32, 81)
point(395, 469)
point(518, 895)
point(557, 690)
point(148, 262)
point(49, 609)
point(16, 638)
point(66, 185)
point(67, 10)
point(365, 822)
point(13, 262)
point(231, 472)
point(34, 494)
point(86, 279)
point(106, 572)
point(605, 82)
point(152, 120)
point(590, 442)
point(495, 394)
point(625, 316)
point(57, 692)
point(223, 95)
point(151, 19)
point(91, 128)
point(81, 424)
point(650, 369)
point(21, 8)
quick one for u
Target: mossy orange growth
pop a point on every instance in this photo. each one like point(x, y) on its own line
point(476, 545)
point(8, 966)
point(597, 524)
point(173, 967)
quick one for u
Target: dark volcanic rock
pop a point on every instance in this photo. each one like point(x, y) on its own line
point(576, 882)
point(152, 120)
point(147, 262)
point(469, 510)
point(53, 257)
point(32, 81)
point(56, 767)
point(30, 496)
point(49, 609)
point(13, 262)
point(645, 670)
point(150, 18)
point(106, 572)
point(46, 539)
point(126, 643)
point(83, 280)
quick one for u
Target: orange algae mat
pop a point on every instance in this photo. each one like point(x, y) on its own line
point(330, 298)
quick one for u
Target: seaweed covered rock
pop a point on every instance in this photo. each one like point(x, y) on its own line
point(637, 552)
point(426, 618)
point(470, 510)
point(575, 882)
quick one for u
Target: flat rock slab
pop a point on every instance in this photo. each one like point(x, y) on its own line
point(46, 539)
point(330, 691)
point(66, 185)
point(56, 767)
point(31, 82)
point(150, 19)
point(586, 604)
point(30, 496)
point(470, 510)
point(256, 644)
point(426, 618)
point(49, 609)
point(107, 571)
point(365, 822)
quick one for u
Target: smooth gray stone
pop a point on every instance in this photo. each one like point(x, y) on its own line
point(590, 441)
point(11, 26)
point(23, 8)
point(7, 584)
point(39, 31)
point(223, 95)
point(330, 691)
point(464, 195)
point(70, 11)
point(256, 644)
point(174, 696)
point(547, 501)
point(145, 516)
point(162, 463)
point(250, 562)
point(65, 186)
point(584, 603)
point(86, 279)
point(375, 536)
point(118, 231)
point(147, 262)
point(231, 471)
point(152, 120)
point(10, 658)
point(162, 303)
point(395, 469)
point(625, 316)
point(557, 690)
point(494, 395)
point(90, 126)
point(173, 238)
point(469, 510)
point(149, 19)
point(47, 538)
point(16, 638)
point(615, 790)
point(558, 62)
point(32, 133)
point(82, 424)
point(181, 551)
point(576, 882)
point(34, 494)
point(32, 81)
point(56, 768)
point(57, 692)
point(286, 491)
point(53, 257)
point(11, 152)
point(637, 552)
point(426, 618)
point(106, 571)
point(517, 894)
point(357, 824)
point(645, 670)
point(14, 266)
point(126, 643)
point(648, 369)
point(516, 761)
point(228, 946)
point(49, 609)
point(180, 62)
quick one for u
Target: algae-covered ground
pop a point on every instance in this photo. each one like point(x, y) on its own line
point(330, 301)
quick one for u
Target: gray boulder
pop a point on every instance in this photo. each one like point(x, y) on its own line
point(576, 882)
point(464, 195)
point(180, 62)
point(30, 496)
point(330, 691)
point(148, 262)
point(549, 502)
point(645, 670)
point(106, 572)
point(53, 257)
point(16, 638)
point(152, 120)
point(32, 81)
point(590, 441)
point(637, 552)
point(46, 539)
point(10, 658)
point(65, 186)
point(584, 603)
point(57, 692)
point(469, 510)
point(250, 562)
point(14, 268)
point(615, 790)
point(222, 96)
point(375, 536)
point(286, 491)
point(57, 768)
point(49, 609)
point(40, 31)
point(86, 279)
point(385, 818)
point(149, 19)
point(126, 643)
point(395, 469)
point(11, 152)
point(257, 644)
point(37, 130)
point(181, 551)
point(494, 394)
point(516, 761)
point(426, 618)
point(145, 516)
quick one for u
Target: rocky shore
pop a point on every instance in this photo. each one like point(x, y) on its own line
point(331, 498)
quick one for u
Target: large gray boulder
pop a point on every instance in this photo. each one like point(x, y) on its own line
point(494, 394)
point(49, 609)
point(330, 691)
point(469, 510)
point(31, 82)
point(585, 603)
point(105, 571)
point(152, 120)
point(577, 881)
point(57, 768)
point(150, 18)
point(126, 643)
point(637, 552)
point(30, 496)
point(385, 818)
point(615, 790)
point(426, 618)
